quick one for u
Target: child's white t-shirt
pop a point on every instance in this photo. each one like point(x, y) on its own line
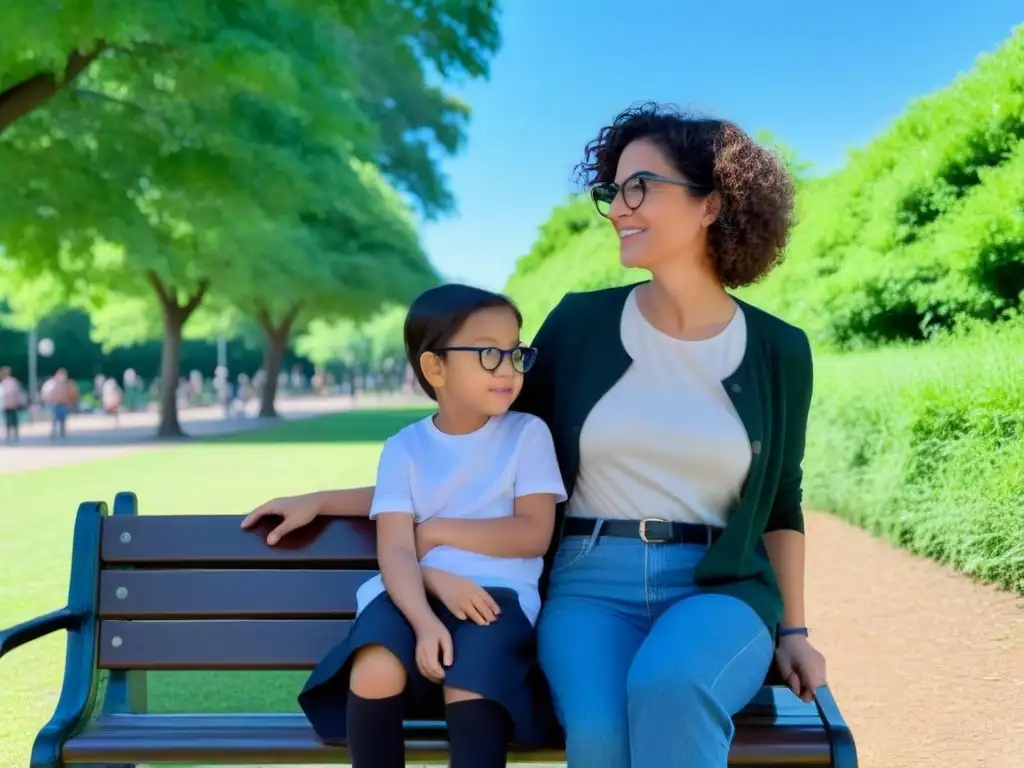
point(428, 473)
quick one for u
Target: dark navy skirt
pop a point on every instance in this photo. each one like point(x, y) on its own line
point(497, 661)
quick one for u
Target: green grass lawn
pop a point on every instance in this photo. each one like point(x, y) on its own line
point(226, 475)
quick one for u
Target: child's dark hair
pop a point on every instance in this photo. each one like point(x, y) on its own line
point(437, 315)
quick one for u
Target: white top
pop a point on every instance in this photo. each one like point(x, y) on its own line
point(10, 393)
point(665, 441)
point(428, 473)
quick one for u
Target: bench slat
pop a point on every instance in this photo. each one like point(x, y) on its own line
point(229, 594)
point(234, 645)
point(190, 540)
point(287, 738)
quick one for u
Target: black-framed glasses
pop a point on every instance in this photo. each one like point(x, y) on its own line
point(634, 190)
point(491, 358)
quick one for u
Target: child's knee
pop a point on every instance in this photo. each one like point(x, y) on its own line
point(453, 695)
point(376, 673)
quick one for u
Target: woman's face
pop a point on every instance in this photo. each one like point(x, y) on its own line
point(670, 224)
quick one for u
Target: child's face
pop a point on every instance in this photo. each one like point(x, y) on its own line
point(459, 377)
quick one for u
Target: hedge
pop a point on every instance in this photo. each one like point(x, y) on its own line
point(924, 445)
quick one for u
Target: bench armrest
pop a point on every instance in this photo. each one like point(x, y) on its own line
point(38, 627)
point(844, 749)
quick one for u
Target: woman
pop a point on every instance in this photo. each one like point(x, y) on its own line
point(679, 416)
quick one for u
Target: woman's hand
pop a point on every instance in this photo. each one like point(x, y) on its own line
point(801, 665)
point(464, 598)
point(295, 511)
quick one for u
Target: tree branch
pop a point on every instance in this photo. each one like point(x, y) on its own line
point(291, 316)
point(197, 297)
point(169, 298)
point(266, 320)
point(262, 316)
point(28, 95)
point(154, 279)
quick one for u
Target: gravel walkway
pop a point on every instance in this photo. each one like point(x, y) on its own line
point(91, 437)
point(927, 666)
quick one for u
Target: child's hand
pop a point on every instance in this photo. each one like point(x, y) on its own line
point(464, 598)
point(434, 649)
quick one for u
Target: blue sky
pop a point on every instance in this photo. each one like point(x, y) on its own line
point(824, 77)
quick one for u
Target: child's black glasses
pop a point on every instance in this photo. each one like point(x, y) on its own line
point(491, 358)
point(634, 190)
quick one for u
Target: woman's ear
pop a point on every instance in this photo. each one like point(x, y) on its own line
point(433, 370)
point(712, 207)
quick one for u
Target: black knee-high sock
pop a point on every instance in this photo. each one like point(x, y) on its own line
point(375, 738)
point(479, 731)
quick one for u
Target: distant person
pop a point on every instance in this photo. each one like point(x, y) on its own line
point(97, 386)
point(457, 618)
point(223, 389)
point(132, 385)
point(13, 400)
point(680, 417)
point(61, 395)
point(112, 397)
point(244, 394)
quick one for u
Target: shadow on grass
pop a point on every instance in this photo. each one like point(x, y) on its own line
point(362, 426)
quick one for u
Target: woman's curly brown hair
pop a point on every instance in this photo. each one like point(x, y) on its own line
point(749, 236)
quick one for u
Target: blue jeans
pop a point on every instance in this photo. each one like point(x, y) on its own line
point(645, 670)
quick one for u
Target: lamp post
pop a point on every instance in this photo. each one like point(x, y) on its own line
point(36, 347)
point(33, 375)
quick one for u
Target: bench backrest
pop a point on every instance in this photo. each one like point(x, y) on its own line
point(198, 592)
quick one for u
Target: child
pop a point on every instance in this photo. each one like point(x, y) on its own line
point(442, 616)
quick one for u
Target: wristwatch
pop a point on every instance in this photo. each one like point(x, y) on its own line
point(786, 631)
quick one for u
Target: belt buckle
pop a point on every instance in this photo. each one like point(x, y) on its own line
point(643, 530)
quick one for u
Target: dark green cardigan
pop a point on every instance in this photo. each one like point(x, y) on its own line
point(581, 357)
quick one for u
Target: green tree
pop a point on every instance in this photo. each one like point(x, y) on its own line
point(373, 346)
point(356, 258)
point(921, 226)
point(218, 43)
point(147, 173)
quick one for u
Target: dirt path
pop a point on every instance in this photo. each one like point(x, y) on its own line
point(92, 437)
point(927, 666)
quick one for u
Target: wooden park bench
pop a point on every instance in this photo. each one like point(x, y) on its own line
point(195, 592)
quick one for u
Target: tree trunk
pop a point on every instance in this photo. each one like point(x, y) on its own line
point(170, 365)
point(273, 354)
point(174, 316)
point(275, 342)
point(30, 94)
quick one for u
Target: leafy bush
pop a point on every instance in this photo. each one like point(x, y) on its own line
point(576, 251)
point(925, 445)
point(925, 224)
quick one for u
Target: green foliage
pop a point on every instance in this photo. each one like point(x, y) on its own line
point(363, 72)
point(208, 149)
point(86, 350)
point(577, 250)
point(194, 120)
point(26, 300)
point(363, 346)
point(921, 226)
point(925, 446)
